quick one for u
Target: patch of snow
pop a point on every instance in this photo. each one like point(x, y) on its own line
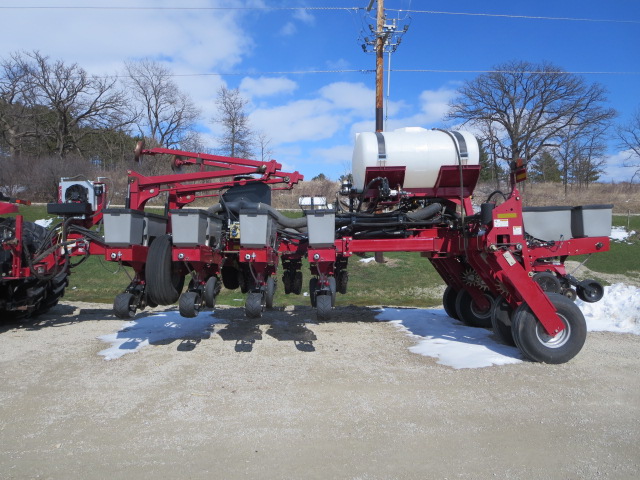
point(367, 260)
point(44, 222)
point(620, 234)
point(450, 341)
point(618, 311)
point(459, 346)
point(156, 328)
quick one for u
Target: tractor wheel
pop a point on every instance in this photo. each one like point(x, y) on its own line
point(548, 282)
point(296, 285)
point(449, 302)
point(332, 289)
point(539, 346)
point(287, 279)
point(501, 320)
point(323, 306)
point(590, 291)
point(253, 305)
point(211, 290)
point(230, 278)
point(124, 305)
point(343, 281)
point(189, 304)
point(469, 313)
point(270, 292)
point(313, 286)
point(164, 282)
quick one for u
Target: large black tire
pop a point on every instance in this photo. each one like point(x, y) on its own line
point(164, 282)
point(537, 345)
point(501, 320)
point(449, 302)
point(296, 284)
point(332, 289)
point(230, 278)
point(270, 292)
point(590, 291)
point(323, 307)
point(469, 313)
point(124, 305)
point(287, 279)
point(211, 290)
point(189, 304)
point(313, 290)
point(253, 305)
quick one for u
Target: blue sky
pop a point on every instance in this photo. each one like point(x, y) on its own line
point(312, 117)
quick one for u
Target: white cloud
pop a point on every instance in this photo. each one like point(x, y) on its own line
point(336, 155)
point(615, 171)
point(267, 86)
point(288, 29)
point(302, 120)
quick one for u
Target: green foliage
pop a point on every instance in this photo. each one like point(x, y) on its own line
point(545, 168)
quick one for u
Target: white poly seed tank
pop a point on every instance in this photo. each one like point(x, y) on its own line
point(420, 151)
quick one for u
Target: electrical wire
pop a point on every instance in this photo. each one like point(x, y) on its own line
point(318, 9)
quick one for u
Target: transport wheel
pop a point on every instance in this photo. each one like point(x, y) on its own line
point(296, 285)
point(287, 279)
point(332, 288)
point(501, 320)
point(124, 305)
point(469, 313)
point(313, 293)
point(539, 346)
point(164, 282)
point(449, 302)
point(211, 290)
point(253, 305)
point(323, 306)
point(590, 291)
point(343, 280)
point(270, 292)
point(548, 282)
point(230, 278)
point(189, 304)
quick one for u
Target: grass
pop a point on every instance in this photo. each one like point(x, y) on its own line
point(406, 279)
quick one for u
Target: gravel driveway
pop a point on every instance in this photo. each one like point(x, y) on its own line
point(288, 397)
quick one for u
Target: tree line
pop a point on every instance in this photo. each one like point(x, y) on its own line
point(555, 121)
point(58, 120)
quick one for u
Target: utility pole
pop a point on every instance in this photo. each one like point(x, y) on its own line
point(380, 41)
point(386, 40)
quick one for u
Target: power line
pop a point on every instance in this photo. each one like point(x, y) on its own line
point(527, 17)
point(371, 71)
point(302, 8)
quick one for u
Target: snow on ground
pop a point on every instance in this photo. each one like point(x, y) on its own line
point(436, 334)
point(618, 311)
point(451, 342)
point(44, 222)
point(620, 234)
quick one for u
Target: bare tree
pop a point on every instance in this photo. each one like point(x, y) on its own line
point(629, 136)
point(237, 138)
point(78, 104)
point(165, 114)
point(264, 146)
point(525, 108)
point(18, 111)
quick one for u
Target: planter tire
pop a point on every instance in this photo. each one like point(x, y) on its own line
point(164, 282)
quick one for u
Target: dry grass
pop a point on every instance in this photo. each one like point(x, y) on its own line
point(624, 196)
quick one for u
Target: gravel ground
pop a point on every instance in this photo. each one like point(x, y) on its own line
point(287, 397)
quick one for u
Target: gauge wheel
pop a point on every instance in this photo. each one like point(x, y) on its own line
point(537, 345)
